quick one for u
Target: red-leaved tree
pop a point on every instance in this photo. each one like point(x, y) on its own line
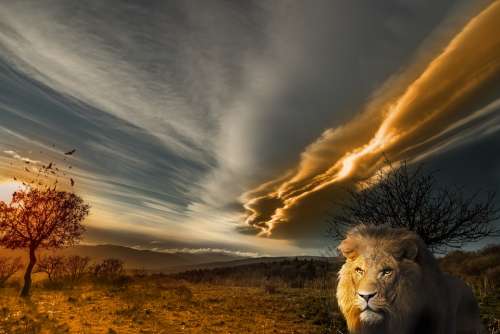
point(41, 218)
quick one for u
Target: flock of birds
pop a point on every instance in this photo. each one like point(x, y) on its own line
point(45, 175)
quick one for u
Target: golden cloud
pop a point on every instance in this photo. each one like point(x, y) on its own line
point(398, 126)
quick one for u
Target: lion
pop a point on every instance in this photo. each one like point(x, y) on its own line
point(391, 283)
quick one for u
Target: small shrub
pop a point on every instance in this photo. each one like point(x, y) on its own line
point(122, 281)
point(76, 267)
point(270, 288)
point(493, 274)
point(53, 266)
point(108, 271)
point(8, 267)
point(139, 273)
point(184, 293)
point(129, 310)
point(72, 300)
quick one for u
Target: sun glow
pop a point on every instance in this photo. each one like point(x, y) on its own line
point(7, 189)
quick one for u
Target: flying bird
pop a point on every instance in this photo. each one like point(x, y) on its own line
point(72, 182)
point(70, 152)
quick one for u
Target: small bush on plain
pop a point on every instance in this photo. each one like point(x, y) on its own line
point(8, 267)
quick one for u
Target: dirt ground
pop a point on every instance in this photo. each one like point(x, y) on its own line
point(170, 306)
point(163, 307)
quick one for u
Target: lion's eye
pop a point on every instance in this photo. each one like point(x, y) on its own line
point(359, 271)
point(386, 271)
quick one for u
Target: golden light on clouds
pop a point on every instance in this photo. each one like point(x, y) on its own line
point(439, 98)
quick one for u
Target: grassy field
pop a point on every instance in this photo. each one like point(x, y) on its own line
point(481, 271)
point(292, 296)
point(164, 306)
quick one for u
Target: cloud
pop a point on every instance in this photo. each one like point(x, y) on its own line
point(204, 251)
point(23, 159)
point(434, 104)
point(317, 66)
point(161, 74)
point(178, 108)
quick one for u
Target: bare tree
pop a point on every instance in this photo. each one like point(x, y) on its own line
point(58, 267)
point(8, 267)
point(108, 269)
point(41, 218)
point(411, 198)
point(76, 267)
point(53, 266)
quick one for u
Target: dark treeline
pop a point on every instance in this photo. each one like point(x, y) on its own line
point(294, 273)
point(480, 269)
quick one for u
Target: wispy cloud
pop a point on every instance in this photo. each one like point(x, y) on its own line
point(178, 108)
point(201, 251)
point(21, 158)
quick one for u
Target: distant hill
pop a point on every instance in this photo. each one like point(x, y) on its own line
point(294, 272)
point(167, 263)
point(243, 262)
point(137, 259)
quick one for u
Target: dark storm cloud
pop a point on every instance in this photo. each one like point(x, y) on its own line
point(329, 59)
point(475, 164)
point(177, 108)
point(433, 113)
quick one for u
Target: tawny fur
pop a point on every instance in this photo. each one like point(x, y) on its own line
point(414, 295)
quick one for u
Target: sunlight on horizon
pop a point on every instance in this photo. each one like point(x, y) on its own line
point(7, 189)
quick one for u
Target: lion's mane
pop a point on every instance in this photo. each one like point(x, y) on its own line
point(425, 299)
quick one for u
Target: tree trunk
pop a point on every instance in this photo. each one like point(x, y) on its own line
point(25, 292)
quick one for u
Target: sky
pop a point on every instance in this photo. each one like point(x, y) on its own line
point(236, 125)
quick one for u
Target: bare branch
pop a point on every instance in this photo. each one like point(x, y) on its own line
point(411, 198)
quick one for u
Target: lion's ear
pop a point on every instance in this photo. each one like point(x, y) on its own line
point(348, 248)
point(406, 249)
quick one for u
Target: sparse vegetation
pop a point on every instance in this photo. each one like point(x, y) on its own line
point(8, 267)
point(61, 270)
point(274, 297)
point(108, 271)
point(481, 270)
point(76, 267)
point(161, 305)
point(53, 266)
point(41, 218)
point(288, 273)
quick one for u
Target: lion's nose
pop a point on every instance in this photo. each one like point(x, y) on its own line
point(366, 295)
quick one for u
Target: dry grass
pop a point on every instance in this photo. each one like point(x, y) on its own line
point(481, 271)
point(216, 301)
point(163, 306)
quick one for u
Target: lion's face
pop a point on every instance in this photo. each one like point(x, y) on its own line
point(379, 278)
point(374, 276)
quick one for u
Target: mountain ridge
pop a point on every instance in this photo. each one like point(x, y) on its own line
point(132, 258)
